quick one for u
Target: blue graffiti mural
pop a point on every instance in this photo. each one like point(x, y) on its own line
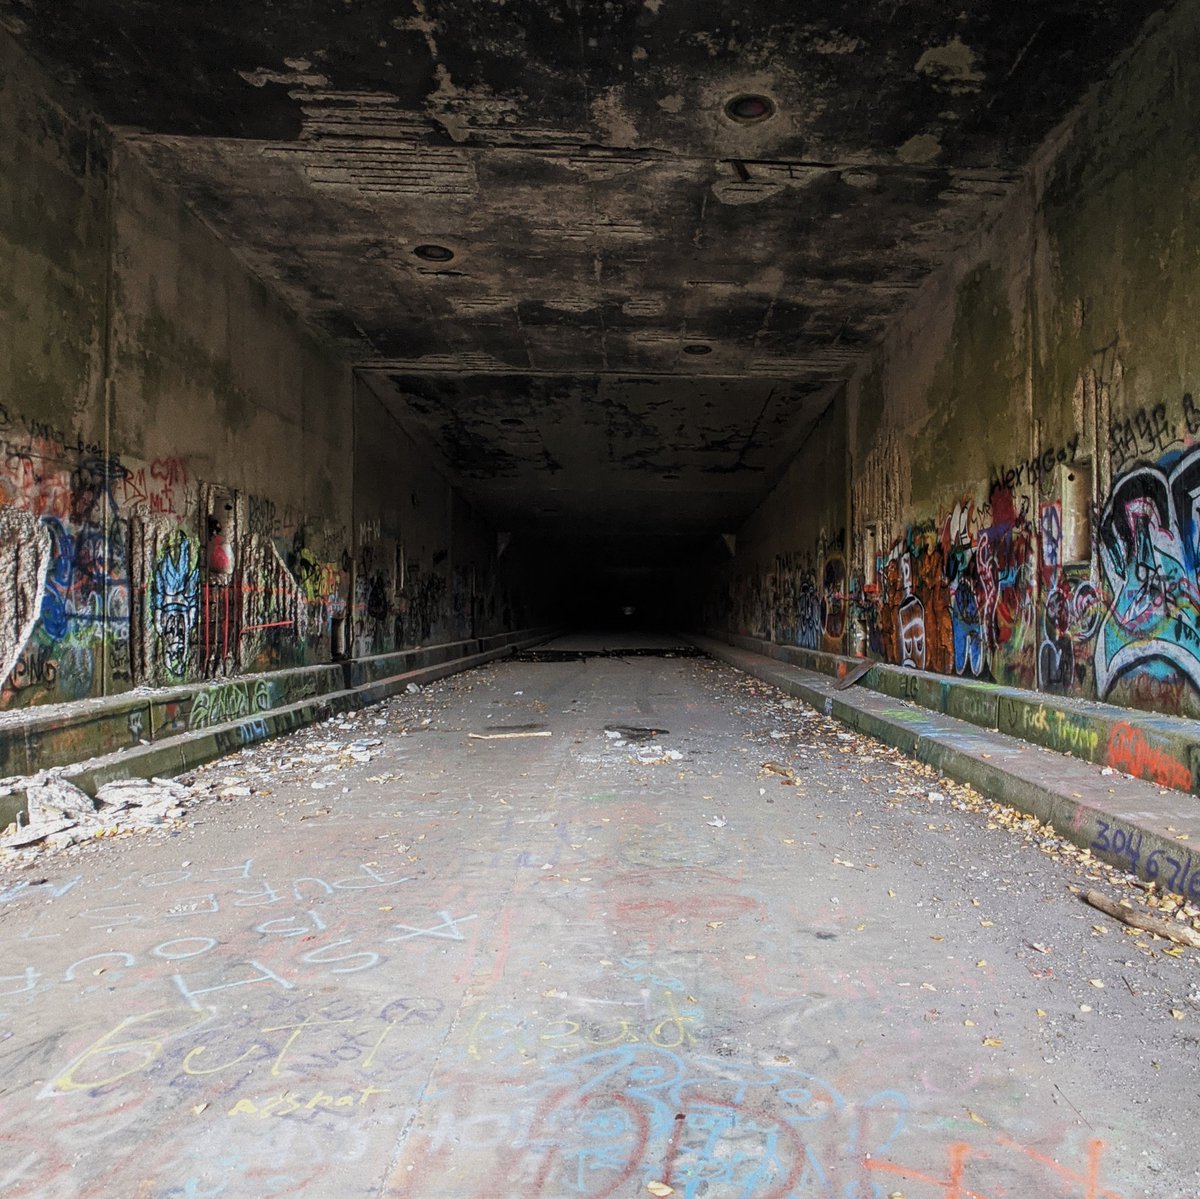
point(1150, 553)
point(175, 602)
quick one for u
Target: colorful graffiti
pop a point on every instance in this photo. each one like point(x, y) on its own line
point(802, 599)
point(999, 590)
point(1071, 611)
point(955, 595)
point(68, 546)
point(833, 598)
point(1149, 549)
point(1130, 750)
point(119, 573)
point(175, 602)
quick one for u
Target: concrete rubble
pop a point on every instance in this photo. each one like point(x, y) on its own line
point(61, 815)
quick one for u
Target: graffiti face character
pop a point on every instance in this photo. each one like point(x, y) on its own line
point(912, 633)
point(175, 600)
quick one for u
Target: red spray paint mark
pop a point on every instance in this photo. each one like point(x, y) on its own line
point(1129, 750)
point(1091, 1179)
point(954, 1188)
point(953, 1184)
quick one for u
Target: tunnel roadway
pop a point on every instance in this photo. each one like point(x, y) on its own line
point(490, 940)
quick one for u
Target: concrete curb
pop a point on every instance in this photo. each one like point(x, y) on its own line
point(36, 738)
point(1161, 749)
point(185, 750)
point(1133, 824)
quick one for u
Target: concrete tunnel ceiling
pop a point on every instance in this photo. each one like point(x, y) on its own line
point(608, 261)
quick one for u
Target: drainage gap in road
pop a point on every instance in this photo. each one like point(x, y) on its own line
point(580, 655)
point(628, 732)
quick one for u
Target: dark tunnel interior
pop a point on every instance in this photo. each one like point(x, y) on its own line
point(339, 332)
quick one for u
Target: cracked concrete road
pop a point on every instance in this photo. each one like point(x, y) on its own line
point(401, 960)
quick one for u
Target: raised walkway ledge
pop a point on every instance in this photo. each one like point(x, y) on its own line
point(1144, 827)
point(162, 732)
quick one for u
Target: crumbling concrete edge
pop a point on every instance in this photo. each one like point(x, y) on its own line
point(176, 755)
point(1128, 829)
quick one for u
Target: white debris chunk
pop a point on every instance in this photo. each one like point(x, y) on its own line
point(140, 793)
point(55, 799)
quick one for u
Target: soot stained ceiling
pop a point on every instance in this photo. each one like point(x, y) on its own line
point(531, 449)
point(609, 258)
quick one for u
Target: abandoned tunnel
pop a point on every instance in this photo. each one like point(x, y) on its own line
point(377, 362)
point(329, 332)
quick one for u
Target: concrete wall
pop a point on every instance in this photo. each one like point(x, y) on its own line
point(1024, 448)
point(787, 579)
point(180, 496)
point(426, 568)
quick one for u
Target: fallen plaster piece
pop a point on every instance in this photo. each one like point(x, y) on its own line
point(508, 736)
point(32, 834)
point(56, 799)
point(141, 793)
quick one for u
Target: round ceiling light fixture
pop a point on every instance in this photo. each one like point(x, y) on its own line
point(697, 348)
point(749, 108)
point(433, 253)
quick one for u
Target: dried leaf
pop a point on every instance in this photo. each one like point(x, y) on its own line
point(786, 772)
point(993, 1042)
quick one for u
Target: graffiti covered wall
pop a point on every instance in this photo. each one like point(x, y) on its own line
point(178, 475)
point(787, 580)
point(115, 577)
point(427, 568)
point(1024, 446)
point(1050, 515)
